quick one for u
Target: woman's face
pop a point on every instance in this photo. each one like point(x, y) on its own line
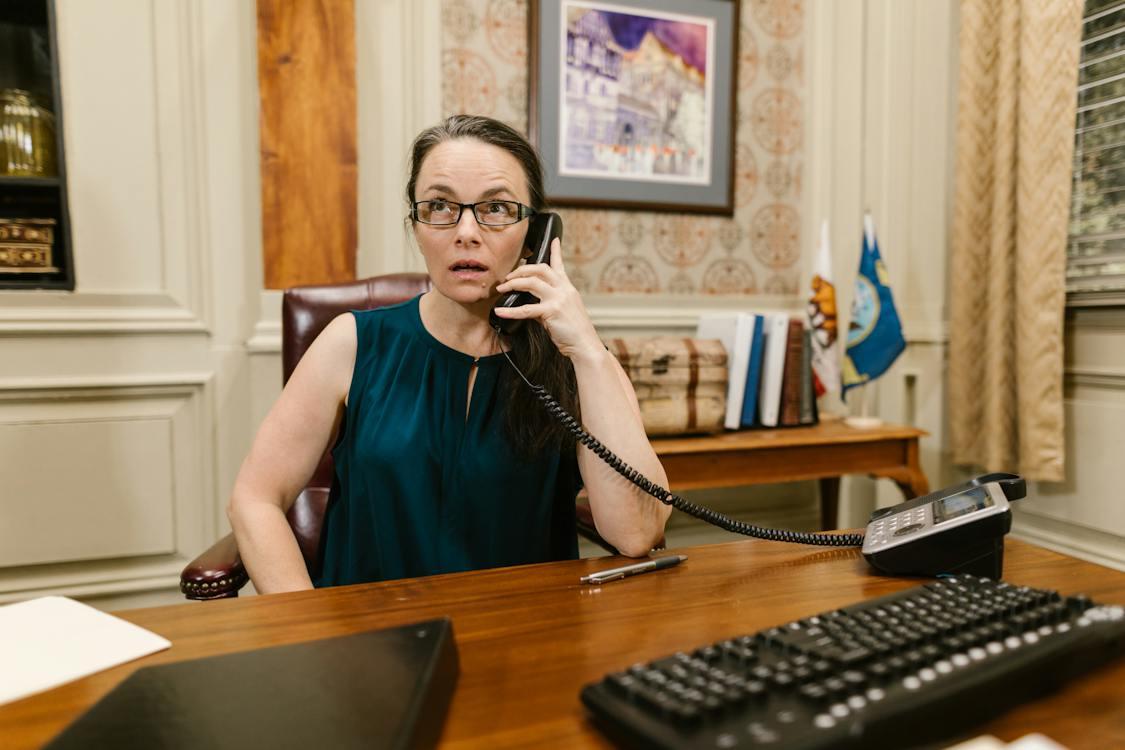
point(467, 260)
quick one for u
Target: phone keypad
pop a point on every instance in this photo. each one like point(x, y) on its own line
point(885, 529)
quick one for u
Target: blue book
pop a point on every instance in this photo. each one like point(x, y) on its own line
point(753, 374)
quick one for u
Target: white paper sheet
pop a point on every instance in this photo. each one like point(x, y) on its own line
point(52, 640)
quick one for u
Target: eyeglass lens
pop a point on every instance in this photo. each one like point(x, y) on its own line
point(492, 213)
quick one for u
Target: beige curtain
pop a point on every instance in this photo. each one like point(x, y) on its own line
point(1017, 94)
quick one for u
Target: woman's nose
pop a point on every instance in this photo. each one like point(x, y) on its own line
point(468, 229)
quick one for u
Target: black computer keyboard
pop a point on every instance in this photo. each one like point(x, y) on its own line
point(899, 671)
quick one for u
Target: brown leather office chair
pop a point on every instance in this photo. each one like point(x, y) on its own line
point(218, 573)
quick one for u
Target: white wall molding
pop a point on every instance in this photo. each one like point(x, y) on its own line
point(1112, 378)
point(136, 149)
point(834, 169)
point(165, 383)
point(92, 313)
point(1070, 539)
point(1096, 318)
point(266, 336)
point(926, 332)
point(398, 50)
point(649, 318)
point(178, 39)
point(881, 109)
point(140, 223)
point(87, 579)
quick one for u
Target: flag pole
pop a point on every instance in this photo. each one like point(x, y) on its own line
point(865, 420)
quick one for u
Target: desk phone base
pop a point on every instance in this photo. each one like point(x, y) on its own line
point(899, 671)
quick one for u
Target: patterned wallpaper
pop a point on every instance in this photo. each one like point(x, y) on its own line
point(758, 251)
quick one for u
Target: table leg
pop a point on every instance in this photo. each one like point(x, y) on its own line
point(913, 486)
point(911, 480)
point(829, 502)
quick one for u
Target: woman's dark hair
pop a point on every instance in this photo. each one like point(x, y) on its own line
point(530, 428)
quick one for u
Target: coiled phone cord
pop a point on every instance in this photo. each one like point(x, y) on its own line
point(670, 498)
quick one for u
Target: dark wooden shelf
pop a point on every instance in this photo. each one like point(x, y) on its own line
point(9, 181)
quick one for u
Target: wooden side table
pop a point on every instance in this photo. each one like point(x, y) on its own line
point(825, 452)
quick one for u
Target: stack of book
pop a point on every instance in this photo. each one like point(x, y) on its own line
point(769, 374)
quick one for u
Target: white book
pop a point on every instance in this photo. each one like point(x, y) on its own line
point(773, 366)
point(735, 331)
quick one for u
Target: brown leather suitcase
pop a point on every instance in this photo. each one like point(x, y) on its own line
point(681, 383)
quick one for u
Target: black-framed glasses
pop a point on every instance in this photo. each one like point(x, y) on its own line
point(488, 213)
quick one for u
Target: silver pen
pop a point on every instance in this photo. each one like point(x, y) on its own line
point(612, 574)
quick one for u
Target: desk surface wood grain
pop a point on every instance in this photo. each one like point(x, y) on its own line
point(530, 637)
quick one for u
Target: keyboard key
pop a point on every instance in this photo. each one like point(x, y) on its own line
point(623, 683)
point(762, 672)
point(835, 685)
point(783, 680)
point(755, 689)
point(815, 693)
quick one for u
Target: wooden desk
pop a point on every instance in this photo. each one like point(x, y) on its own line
point(825, 452)
point(530, 637)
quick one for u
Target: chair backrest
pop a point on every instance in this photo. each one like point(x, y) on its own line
point(305, 311)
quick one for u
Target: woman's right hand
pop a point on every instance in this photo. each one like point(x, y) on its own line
point(559, 309)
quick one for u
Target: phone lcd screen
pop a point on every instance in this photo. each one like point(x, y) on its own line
point(962, 503)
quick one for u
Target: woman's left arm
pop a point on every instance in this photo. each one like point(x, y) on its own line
point(626, 516)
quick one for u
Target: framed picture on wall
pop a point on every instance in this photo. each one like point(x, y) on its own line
point(632, 102)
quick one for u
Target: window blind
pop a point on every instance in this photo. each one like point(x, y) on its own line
point(1095, 271)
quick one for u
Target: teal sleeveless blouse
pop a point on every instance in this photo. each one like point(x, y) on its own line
point(421, 489)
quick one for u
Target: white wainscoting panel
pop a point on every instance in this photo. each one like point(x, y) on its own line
point(105, 484)
point(112, 498)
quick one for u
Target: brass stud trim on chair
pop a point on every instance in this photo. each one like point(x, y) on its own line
point(203, 590)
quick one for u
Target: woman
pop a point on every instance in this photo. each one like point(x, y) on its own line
point(445, 460)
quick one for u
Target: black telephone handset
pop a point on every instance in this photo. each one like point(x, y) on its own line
point(542, 230)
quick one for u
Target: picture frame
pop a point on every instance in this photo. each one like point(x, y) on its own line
point(632, 102)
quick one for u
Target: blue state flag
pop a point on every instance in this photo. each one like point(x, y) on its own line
point(875, 333)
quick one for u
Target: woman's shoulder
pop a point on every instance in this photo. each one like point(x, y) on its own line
point(398, 313)
point(379, 325)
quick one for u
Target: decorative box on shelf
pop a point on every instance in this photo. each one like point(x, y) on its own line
point(681, 383)
point(27, 245)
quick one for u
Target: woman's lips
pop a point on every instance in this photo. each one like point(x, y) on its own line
point(468, 271)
